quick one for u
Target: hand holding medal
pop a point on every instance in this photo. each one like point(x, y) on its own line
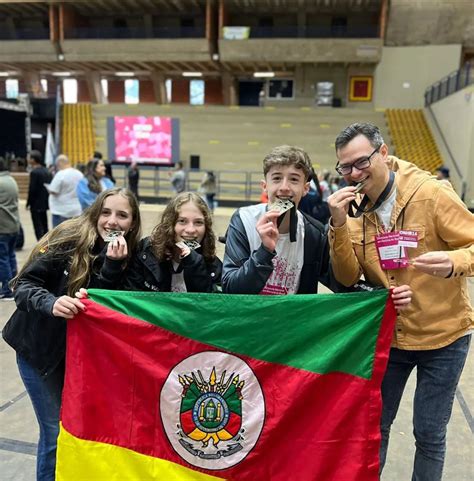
point(117, 245)
point(267, 225)
point(186, 246)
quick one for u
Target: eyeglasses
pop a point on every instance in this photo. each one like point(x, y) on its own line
point(360, 164)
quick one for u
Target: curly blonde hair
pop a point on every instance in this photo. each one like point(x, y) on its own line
point(76, 238)
point(163, 237)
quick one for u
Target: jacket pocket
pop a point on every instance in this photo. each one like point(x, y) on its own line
point(364, 248)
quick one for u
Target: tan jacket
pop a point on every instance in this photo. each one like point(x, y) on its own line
point(440, 311)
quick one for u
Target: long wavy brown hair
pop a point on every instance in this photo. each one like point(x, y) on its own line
point(93, 181)
point(77, 237)
point(163, 237)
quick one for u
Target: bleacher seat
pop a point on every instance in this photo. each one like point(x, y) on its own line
point(412, 138)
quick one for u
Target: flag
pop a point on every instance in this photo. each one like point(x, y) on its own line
point(165, 386)
point(50, 150)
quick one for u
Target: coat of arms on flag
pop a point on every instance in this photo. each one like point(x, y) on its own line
point(212, 417)
point(197, 387)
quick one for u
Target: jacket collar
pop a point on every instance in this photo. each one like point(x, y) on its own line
point(408, 179)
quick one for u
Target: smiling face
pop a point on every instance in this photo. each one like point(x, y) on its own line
point(116, 215)
point(374, 177)
point(285, 182)
point(190, 224)
point(99, 170)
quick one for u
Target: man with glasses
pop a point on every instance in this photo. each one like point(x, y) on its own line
point(408, 228)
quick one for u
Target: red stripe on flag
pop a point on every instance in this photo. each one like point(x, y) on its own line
point(317, 427)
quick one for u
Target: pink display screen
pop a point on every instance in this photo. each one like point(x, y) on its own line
point(143, 139)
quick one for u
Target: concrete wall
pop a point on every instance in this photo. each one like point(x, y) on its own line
point(423, 22)
point(455, 117)
point(404, 73)
point(367, 50)
point(173, 50)
point(27, 51)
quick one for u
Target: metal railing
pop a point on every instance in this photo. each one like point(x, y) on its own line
point(91, 33)
point(36, 33)
point(453, 82)
point(322, 31)
point(233, 186)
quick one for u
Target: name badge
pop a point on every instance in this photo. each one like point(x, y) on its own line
point(391, 248)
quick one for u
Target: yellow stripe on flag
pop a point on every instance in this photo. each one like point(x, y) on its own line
point(82, 460)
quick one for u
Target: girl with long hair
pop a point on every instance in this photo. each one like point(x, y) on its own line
point(180, 254)
point(91, 250)
point(93, 183)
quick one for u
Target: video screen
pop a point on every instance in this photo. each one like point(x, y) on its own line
point(151, 140)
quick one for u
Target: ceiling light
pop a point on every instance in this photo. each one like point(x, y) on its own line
point(62, 74)
point(263, 74)
point(192, 74)
point(4, 74)
point(125, 74)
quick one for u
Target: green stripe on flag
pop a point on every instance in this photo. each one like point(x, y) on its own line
point(333, 332)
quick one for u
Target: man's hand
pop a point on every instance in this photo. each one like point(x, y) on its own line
point(401, 297)
point(117, 249)
point(435, 263)
point(268, 231)
point(67, 307)
point(339, 205)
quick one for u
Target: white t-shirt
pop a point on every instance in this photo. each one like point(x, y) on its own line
point(289, 260)
point(64, 202)
point(384, 212)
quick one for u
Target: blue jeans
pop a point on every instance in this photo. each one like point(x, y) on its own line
point(438, 373)
point(7, 262)
point(45, 395)
point(57, 219)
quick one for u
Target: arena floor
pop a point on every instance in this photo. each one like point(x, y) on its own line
point(19, 432)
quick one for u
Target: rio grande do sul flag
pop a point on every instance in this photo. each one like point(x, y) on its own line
point(163, 386)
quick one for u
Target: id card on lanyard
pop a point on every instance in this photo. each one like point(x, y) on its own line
point(391, 248)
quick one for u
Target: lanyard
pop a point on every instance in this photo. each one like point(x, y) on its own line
point(360, 209)
point(293, 223)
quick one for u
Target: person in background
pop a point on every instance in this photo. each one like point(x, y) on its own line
point(180, 254)
point(9, 228)
point(37, 201)
point(261, 97)
point(442, 174)
point(133, 178)
point(312, 203)
point(108, 166)
point(93, 183)
point(324, 184)
point(178, 178)
point(433, 333)
point(63, 201)
point(208, 188)
point(74, 255)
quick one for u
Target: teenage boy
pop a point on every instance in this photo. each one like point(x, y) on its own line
point(268, 251)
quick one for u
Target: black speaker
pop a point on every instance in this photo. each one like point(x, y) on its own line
point(336, 102)
point(195, 161)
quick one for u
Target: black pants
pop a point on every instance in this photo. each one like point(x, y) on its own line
point(40, 222)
